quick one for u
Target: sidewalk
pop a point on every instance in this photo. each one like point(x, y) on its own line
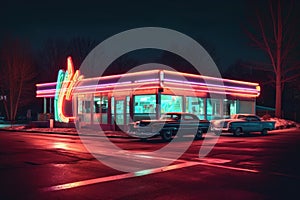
point(63, 131)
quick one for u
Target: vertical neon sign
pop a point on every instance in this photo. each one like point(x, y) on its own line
point(66, 81)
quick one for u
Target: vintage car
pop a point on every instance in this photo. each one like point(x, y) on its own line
point(242, 123)
point(170, 124)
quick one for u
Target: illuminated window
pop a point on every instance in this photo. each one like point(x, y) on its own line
point(84, 108)
point(103, 109)
point(97, 104)
point(144, 104)
point(144, 107)
point(120, 112)
point(171, 103)
point(229, 108)
point(100, 109)
point(195, 105)
point(214, 109)
point(112, 111)
point(80, 104)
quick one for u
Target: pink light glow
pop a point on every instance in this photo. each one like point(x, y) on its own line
point(47, 95)
point(123, 75)
point(45, 84)
point(211, 85)
point(216, 92)
point(216, 88)
point(117, 90)
point(202, 87)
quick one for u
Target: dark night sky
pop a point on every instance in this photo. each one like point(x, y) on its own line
point(218, 23)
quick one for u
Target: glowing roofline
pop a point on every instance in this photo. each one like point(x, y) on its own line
point(157, 71)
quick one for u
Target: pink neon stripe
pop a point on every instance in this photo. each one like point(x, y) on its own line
point(215, 88)
point(208, 77)
point(45, 84)
point(204, 84)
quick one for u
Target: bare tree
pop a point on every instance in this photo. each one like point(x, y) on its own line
point(55, 51)
point(79, 48)
point(52, 58)
point(274, 32)
point(17, 76)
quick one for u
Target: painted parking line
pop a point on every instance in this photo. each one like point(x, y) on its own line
point(217, 162)
point(228, 167)
point(119, 177)
point(208, 162)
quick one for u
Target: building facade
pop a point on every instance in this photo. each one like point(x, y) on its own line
point(115, 101)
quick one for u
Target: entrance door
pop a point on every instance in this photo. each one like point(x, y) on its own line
point(120, 113)
point(120, 108)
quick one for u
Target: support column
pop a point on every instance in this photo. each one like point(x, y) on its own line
point(92, 108)
point(50, 105)
point(222, 108)
point(131, 108)
point(205, 107)
point(158, 104)
point(238, 106)
point(45, 105)
point(184, 103)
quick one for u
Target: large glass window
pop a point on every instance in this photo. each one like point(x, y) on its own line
point(144, 107)
point(214, 109)
point(171, 103)
point(195, 105)
point(229, 107)
point(100, 109)
point(145, 104)
point(104, 109)
point(80, 104)
point(84, 108)
point(120, 112)
point(112, 111)
point(233, 107)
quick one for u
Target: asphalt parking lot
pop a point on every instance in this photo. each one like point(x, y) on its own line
point(59, 166)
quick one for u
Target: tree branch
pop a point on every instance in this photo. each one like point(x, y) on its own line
point(291, 78)
point(269, 52)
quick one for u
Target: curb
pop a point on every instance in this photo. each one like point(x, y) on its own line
point(62, 133)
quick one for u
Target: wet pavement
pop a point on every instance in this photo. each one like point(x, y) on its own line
point(63, 131)
point(58, 166)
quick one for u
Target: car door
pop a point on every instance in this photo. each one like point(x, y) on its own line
point(189, 123)
point(253, 124)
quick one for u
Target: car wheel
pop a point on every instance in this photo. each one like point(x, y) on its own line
point(237, 132)
point(199, 134)
point(166, 135)
point(264, 131)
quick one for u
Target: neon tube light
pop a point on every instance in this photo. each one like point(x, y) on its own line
point(210, 85)
point(68, 85)
point(240, 89)
point(65, 83)
point(45, 84)
point(209, 77)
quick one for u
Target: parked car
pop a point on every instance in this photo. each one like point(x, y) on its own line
point(242, 123)
point(168, 125)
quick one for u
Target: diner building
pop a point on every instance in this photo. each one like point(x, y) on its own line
point(115, 101)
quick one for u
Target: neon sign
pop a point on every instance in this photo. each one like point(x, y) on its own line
point(66, 80)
